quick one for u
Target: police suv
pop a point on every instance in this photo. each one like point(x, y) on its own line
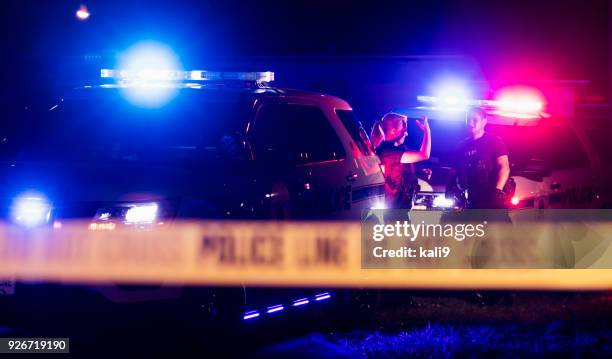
point(212, 145)
point(553, 164)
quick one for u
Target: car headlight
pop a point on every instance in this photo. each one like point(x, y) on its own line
point(440, 201)
point(133, 213)
point(379, 204)
point(424, 201)
point(141, 213)
point(31, 211)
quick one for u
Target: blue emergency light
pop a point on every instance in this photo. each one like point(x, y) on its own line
point(31, 210)
point(516, 102)
point(153, 75)
point(252, 314)
point(453, 103)
point(153, 88)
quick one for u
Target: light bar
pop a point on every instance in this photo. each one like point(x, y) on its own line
point(177, 75)
point(517, 102)
point(433, 100)
point(267, 76)
point(493, 107)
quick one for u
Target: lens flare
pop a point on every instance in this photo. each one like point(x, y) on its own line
point(149, 59)
point(31, 210)
point(520, 102)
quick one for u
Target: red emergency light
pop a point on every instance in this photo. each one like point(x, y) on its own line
point(519, 102)
point(515, 200)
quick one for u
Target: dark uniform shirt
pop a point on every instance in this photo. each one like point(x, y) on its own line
point(479, 167)
point(400, 181)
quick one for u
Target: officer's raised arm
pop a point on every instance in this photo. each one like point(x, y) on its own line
point(425, 151)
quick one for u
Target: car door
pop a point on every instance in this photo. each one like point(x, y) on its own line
point(569, 181)
point(572, 183)
point(368, 183)
point(312, 173)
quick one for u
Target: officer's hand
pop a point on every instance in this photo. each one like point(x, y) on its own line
point(423, 125)
point(499, 197)
point(426, 173)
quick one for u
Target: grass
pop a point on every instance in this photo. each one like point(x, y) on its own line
point(501, 340)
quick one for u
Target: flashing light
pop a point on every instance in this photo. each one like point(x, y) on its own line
point(322, 296)
point(145, 64)
point(515, 200)
point(141, 213)
point(519, 102)
point(300, 302)
point(31, 210)
point(275, 308)
point(440, 201)
point(250, 315)
point(450, 95)
point(280, 307)
point(148, 72)
point(149, 55)
point(82, 13)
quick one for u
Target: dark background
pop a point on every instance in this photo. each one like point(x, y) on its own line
point(375, 54)
point(378, 55)
point(554, 39)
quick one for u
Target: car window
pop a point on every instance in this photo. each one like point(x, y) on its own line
point(356, 131)
point(102, 127)
point(296, 133)
point(558, 146)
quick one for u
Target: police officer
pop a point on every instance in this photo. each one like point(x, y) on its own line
point(397, 160)
point(484, 167)
point(483, 172)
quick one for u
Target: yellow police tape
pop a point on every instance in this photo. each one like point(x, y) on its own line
point(321, 254)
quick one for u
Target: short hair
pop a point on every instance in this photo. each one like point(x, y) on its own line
point(476, 111)
point(390, 120)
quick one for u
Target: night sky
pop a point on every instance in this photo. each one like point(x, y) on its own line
point(517, 39)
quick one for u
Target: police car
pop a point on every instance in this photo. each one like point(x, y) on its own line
point(223, 145)
point(553, 165)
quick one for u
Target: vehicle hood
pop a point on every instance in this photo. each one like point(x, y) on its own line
point(64, 183)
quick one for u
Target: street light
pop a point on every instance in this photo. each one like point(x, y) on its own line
point(82, 13)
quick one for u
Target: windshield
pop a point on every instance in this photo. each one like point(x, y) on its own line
point(105, 127)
